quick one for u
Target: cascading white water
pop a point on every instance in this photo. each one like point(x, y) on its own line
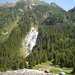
point(30, 41)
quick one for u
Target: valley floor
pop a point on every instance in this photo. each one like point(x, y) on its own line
point(53, 69)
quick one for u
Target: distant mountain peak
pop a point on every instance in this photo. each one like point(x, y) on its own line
point(54, 4)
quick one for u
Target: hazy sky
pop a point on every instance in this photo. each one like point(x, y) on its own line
point(65, 4)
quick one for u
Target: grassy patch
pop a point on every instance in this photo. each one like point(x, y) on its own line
point(54, 69)
point(22, 53)
point(3, 37)
point(40, 66)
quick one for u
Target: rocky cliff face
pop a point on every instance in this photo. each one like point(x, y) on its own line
point(34, 2)
point(30, 2)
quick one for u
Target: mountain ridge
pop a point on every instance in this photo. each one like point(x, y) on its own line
point(31, 2)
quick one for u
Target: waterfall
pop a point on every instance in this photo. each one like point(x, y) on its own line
point(30, 41)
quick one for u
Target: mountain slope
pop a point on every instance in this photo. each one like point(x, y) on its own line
point(56, 34)
point(13, 15)
point(8, 20)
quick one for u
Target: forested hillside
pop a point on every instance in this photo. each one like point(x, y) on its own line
point(56, 39)
point(9, 16)
point(55, 42)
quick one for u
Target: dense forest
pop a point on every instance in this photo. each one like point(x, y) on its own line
point(56, 39)
point(55, 42)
